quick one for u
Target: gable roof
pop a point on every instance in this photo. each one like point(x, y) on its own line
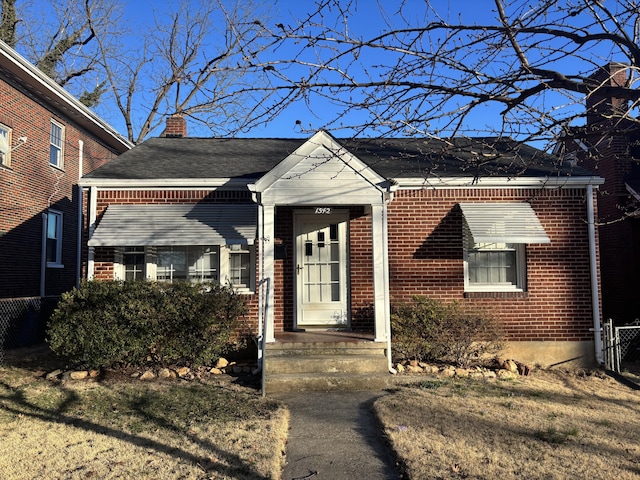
point(249, 159)
point(21, 71)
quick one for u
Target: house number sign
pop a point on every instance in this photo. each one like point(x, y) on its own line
point(323, 210)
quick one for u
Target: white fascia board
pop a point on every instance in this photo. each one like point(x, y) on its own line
point(20, 66)
point(162, 183)
point(498, 182)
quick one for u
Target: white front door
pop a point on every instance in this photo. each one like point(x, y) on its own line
point(321, 269)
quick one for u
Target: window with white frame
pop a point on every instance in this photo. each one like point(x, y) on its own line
point(5, 141)
point(134, 263)
point(54, 239)
point(226, 264)
point(494, 266)
point(56, 143)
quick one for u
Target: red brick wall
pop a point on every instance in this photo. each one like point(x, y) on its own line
point(426, 258)
point(30, 186)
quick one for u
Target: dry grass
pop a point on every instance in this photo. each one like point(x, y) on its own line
point(127, 429)
point(553, 425)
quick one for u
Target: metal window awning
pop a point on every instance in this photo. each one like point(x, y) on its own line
point(162, 225)
point(503, 223)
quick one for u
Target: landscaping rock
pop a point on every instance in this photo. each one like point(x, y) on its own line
point(414, 368)
point(216, 371)
point(148, 375)
point(183, 371)
point(221, 363)
point(165, 373)
point(54, 375)
point(79, 375)
point(506, 374)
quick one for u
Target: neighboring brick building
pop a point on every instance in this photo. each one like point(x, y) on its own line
point(326, 233)
point(609, 146)
point(48, 140)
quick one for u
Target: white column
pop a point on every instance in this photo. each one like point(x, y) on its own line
point(92, 206)
point(268, 253)
point(380, 283)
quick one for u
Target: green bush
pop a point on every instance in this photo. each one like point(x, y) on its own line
point(427, 329)
point(105, 324)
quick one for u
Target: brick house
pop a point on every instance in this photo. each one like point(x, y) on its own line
point(325, 233)
point(610, 147)
point(48, 140)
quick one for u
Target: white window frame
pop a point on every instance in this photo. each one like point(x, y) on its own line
point(54, 147)
point(520, 269)
point(223, 253)
point(225, 266)
point(57, 262)
point(5, 158)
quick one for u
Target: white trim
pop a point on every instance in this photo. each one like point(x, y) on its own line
point(59, 237)
point(497, 182)
point(164, 183)
point(60, 148)
point(20, 66)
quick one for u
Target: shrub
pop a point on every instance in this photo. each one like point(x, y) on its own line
point(427, 329)
point(105, 324)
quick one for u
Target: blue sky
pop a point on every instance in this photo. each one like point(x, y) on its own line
point(365, 21)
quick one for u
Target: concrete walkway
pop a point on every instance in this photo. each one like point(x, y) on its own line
point(334, 435)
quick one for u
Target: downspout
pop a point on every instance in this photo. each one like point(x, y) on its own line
point(93, 205)
point(79, 220)
point(595, 296)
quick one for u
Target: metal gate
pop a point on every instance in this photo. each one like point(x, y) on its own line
point(620, 345)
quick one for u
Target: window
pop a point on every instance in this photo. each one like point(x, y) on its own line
point(193, 263)
point(134, 263)
point(239, 268)
point(5, 146)
point(494, 266)
point(226, 264)
point(54, 239)
point(56, 142)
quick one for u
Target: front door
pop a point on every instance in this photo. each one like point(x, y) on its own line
point(321, 269)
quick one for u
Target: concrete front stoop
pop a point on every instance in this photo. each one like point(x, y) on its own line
point(318, 365)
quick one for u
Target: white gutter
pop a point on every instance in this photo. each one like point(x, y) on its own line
point(163, 183)
point(495, 182)
point(595, 296)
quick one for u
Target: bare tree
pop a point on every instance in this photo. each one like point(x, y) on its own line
point(527, 70)
point(188, 61)
point(194, 57)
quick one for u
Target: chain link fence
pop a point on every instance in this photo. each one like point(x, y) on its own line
point(621, 345)
point(23, 321)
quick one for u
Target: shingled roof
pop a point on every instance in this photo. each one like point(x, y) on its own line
point(393, 158)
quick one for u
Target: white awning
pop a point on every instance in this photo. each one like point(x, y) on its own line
point(162, 225)
point(503, 223)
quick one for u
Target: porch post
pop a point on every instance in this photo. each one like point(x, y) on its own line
point(380, 284)
point(268, 252)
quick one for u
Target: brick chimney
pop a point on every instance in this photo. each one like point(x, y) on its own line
point(176, 127)
point(600, 106)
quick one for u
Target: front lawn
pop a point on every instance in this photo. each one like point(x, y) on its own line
point(552, 425)
point(125, 428)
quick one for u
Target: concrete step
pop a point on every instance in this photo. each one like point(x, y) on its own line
point(325, 348)
point(325, 364)
point(310, 382)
